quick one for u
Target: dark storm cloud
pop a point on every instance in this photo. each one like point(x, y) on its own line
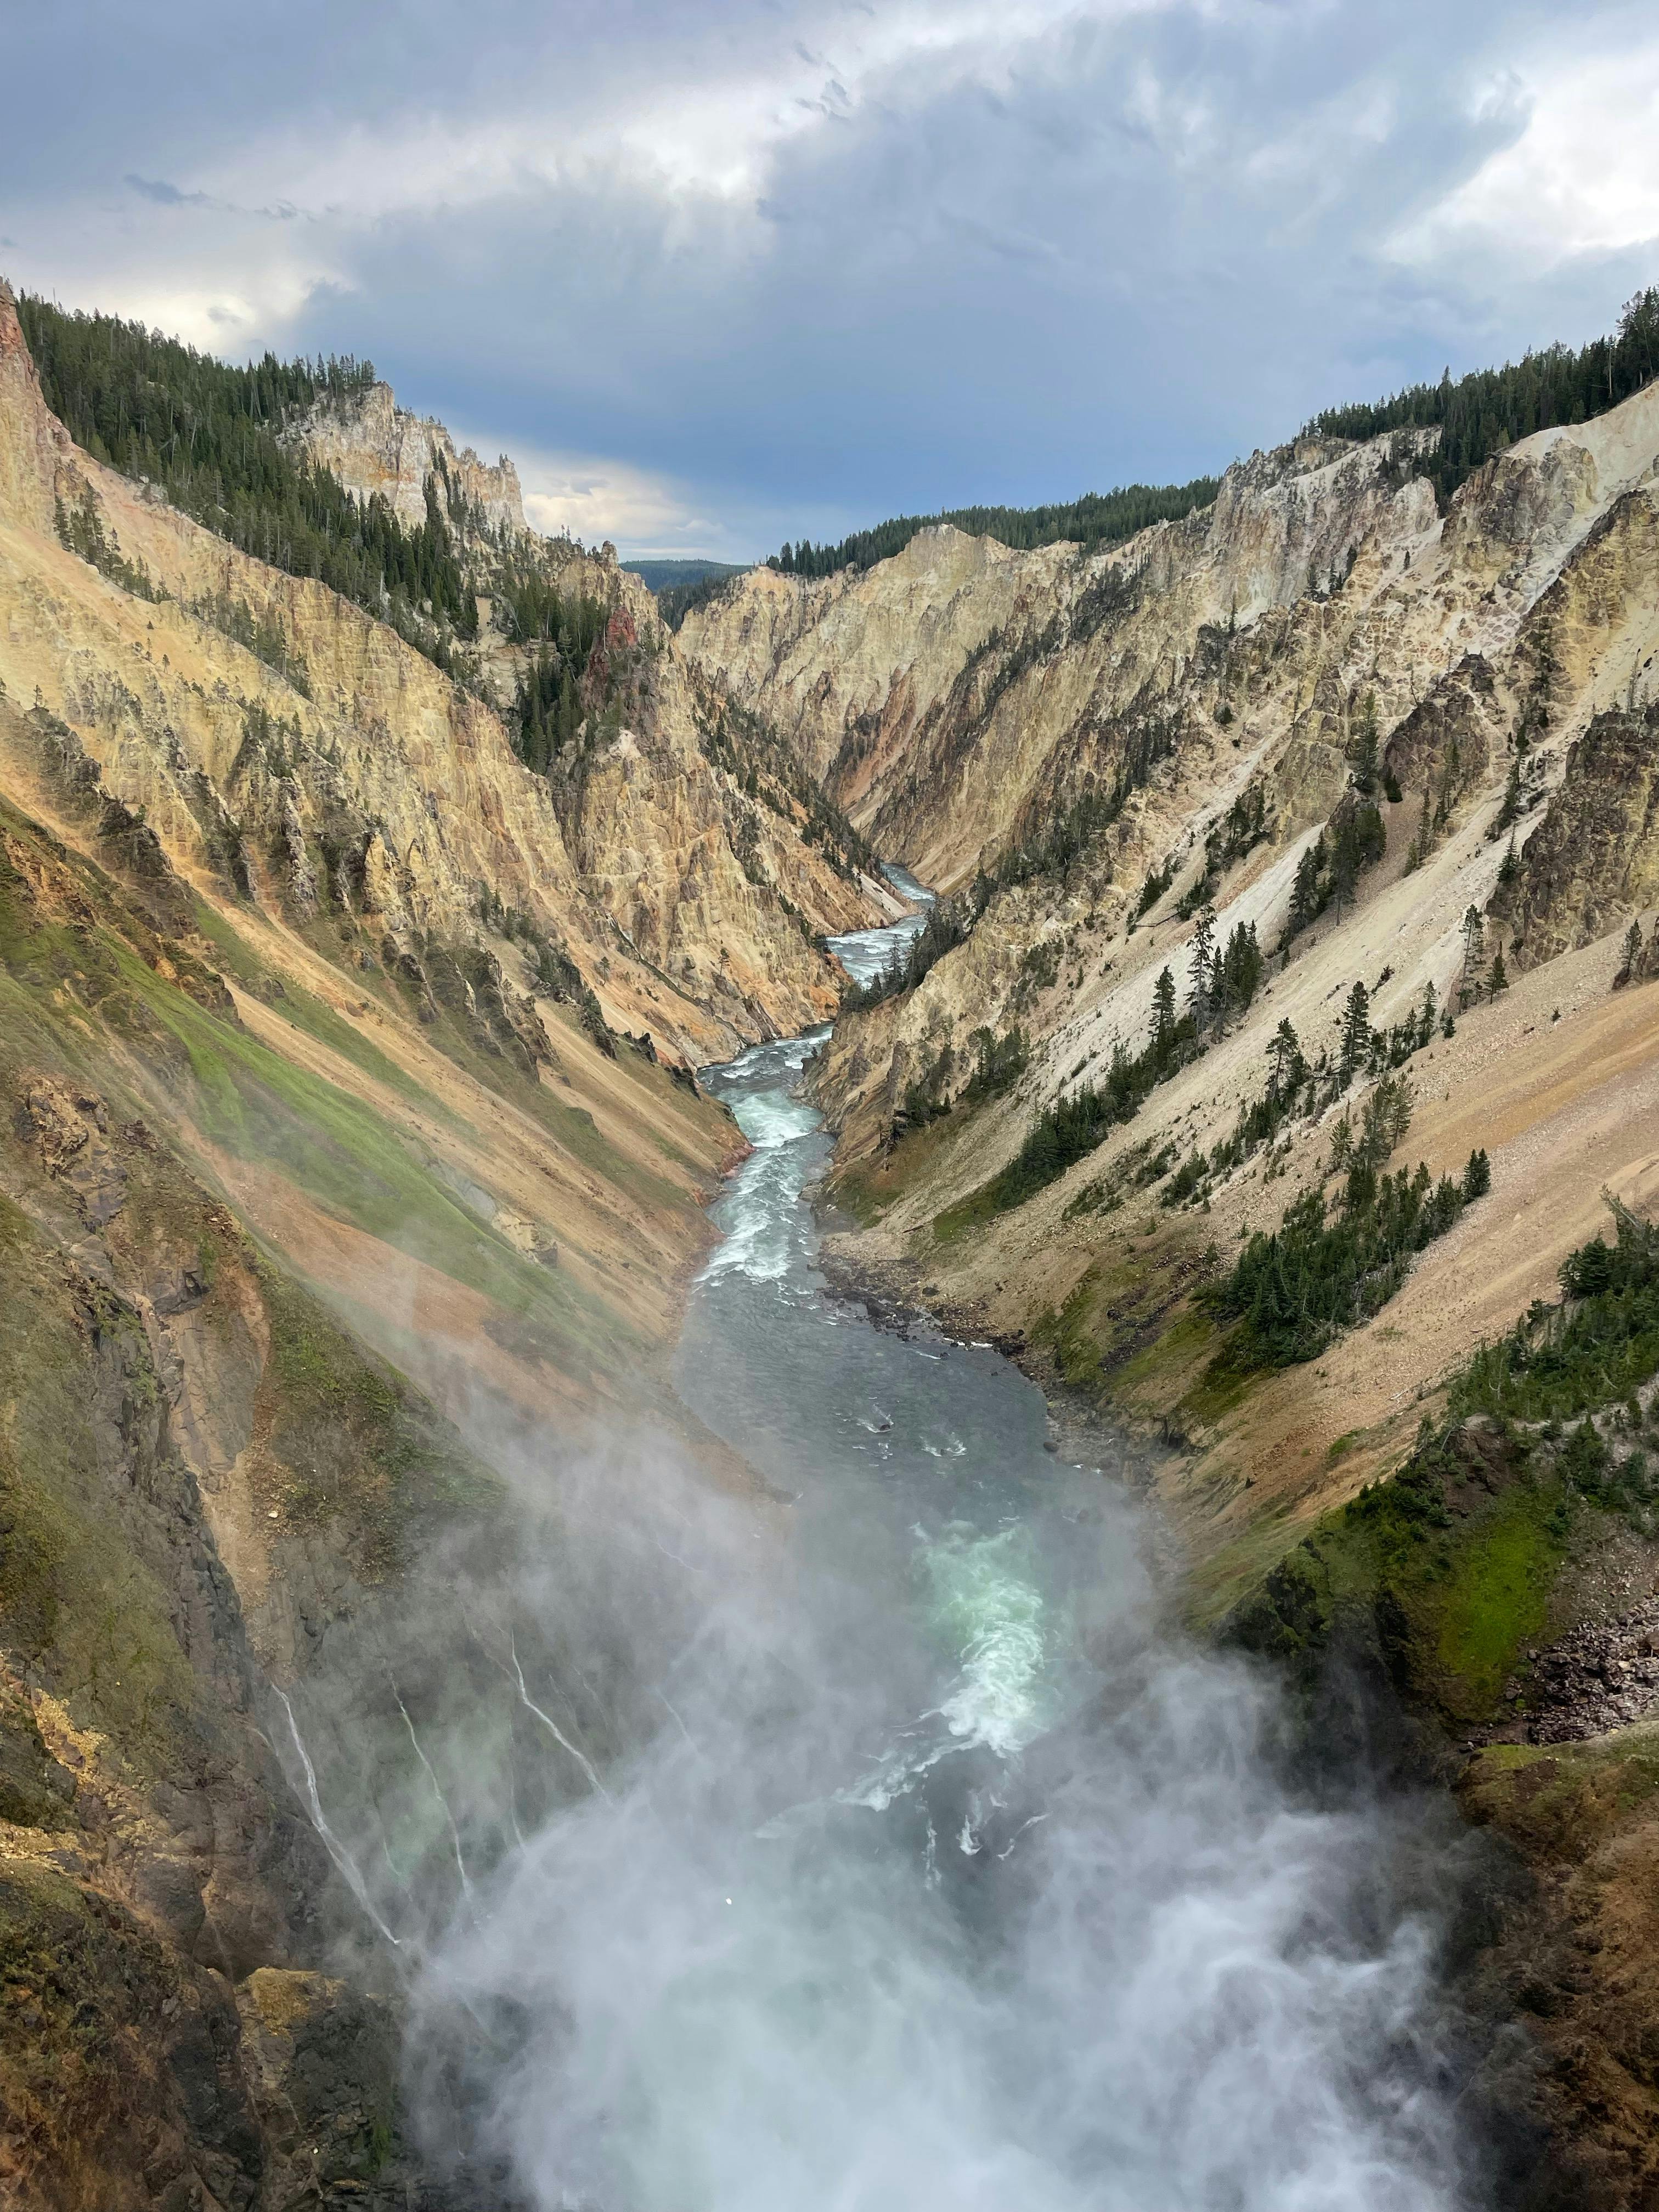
point(793, 269)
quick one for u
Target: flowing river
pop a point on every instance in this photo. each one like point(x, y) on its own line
point(950, 1876)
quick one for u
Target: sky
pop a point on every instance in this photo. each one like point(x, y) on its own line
point(721, 272)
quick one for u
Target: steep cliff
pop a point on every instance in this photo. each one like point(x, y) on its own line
point(374, 446)
point(349, 1156)
point(1302, 859)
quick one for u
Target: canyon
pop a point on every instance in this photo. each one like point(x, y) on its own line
point(357, 1172)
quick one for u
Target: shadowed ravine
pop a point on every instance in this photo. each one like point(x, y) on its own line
point(946, 1877)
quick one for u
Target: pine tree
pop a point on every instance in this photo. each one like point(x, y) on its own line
point(1510, 810)
point(1284, 1062)
point(1474, 931)
point(1356, 1030)
point(1304, 890)
point(1631, 967)
point(1202, 975)
point(1498, 980)
point(1422, 843)
point(1163, 1017)
point(1364, 759)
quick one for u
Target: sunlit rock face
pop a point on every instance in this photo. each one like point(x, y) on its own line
point(372, 445)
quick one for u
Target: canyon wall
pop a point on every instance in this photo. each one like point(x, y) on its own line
point(1102, 756)
point(352, 1165)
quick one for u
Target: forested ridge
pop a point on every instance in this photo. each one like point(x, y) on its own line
point(208, 434)
point(1096, 519)
point(1479, 414)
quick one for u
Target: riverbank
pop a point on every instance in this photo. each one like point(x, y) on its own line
point(1448, 1611)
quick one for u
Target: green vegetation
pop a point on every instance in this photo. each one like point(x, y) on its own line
point(266, 640)
point(1223, 984)
point(210, 435)
point(548, 705)
point(1157, 881)
point(77, 1584)
point(1329, 870)
point(1447, 1570)
point(948, 924)
point(1055, 847)
point(768, 769)
point(1292, 1292)
point(681, 586)
point(1096, 519)
point(1595, 1347)
point(81, 527)
point(354, 1443)
point(1479, 414)
point(664, 576)
point(1441, 1602)
point(1440, 1576)
point(998, 1064)
point(1240, 831)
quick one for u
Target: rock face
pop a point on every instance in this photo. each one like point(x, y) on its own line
point(346, 1104)
point(1102, 761)
point(354, 774)
point(1078, 724)
point(374, 446)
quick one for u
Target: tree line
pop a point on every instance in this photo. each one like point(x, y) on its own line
point(1479, 414)
point(209, 435)
point(1096, 519)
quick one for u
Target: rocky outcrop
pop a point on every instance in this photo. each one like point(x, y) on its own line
point(1592, 864)
point(284, 746)
point(346, 1104)
point(375, 447)
point(1169, 739)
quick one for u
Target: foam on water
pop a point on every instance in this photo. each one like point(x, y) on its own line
point(763, 1235)
point(866, 953)
point(943, 1881)
point(988, 1604)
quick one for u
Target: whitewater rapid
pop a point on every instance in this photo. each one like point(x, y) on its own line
point(889, 1851)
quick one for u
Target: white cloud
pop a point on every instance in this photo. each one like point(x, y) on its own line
point(1582, 178)
point(585, 496)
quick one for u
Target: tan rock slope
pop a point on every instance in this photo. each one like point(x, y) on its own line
point(965, 698)
point(374, 446)
point(1126, 741)
point(348, 1154)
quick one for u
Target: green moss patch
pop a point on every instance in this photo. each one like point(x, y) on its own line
point(1561, 1801)
point(1441, 1576)
point(78, 1594)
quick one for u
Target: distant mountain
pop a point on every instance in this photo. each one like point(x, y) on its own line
point(671, 575)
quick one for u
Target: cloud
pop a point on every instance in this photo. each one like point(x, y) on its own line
point(592, 497)
point(1579, 180)
point(788, 269)
point(164, 194)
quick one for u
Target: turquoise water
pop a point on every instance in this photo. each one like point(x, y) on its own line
point(942, 1876)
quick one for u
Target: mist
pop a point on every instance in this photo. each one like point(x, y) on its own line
point(875, 1841)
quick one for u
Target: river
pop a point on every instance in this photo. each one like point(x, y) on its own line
point(950, 1874)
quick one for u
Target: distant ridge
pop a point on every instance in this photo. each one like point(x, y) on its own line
point(671, 575)
point(1096, 519)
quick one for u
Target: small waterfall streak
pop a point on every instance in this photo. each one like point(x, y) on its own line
point(679, 1722)
point(437, 1791)
point(336, 1849)
point(553, 1728)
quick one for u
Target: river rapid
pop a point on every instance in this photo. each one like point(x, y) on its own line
point(947, 1874)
